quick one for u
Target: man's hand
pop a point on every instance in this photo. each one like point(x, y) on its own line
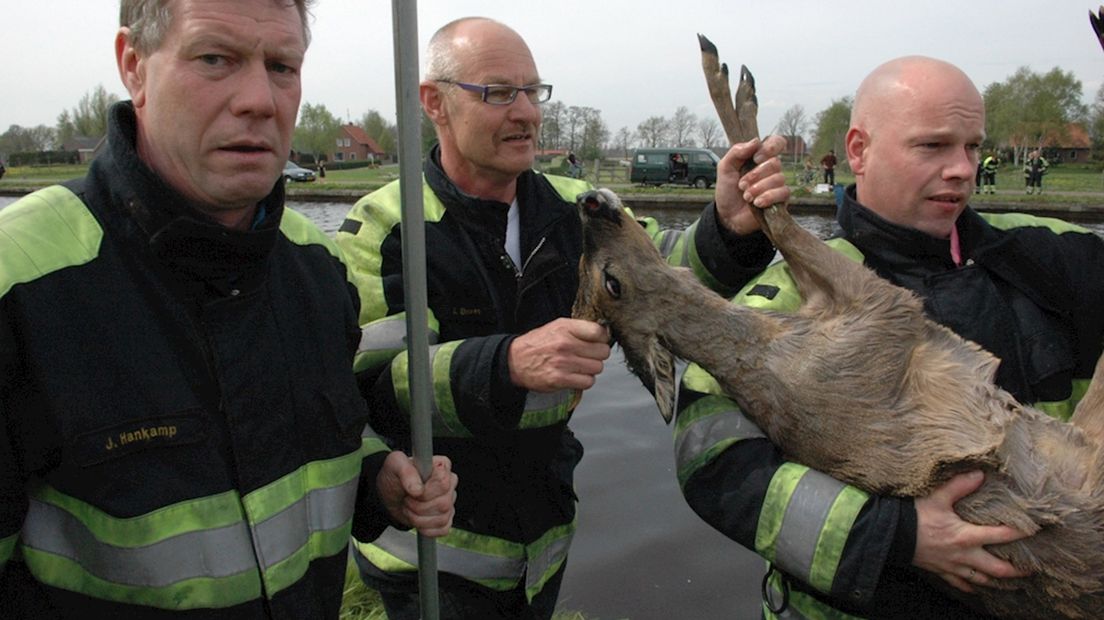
point(763, 186)
point(563, 354)
point(954, 549)
point(428, 506)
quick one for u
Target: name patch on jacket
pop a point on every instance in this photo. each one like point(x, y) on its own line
point(764, 290)
point(102, 445)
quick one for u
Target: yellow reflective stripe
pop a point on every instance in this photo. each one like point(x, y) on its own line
point(370, 442)
point(446, 420)
point(493, 562)
point(546, 555)
point(279, 494)
point(801, 606)
point(45, 231)
point(488, 560)
point(705, 429)
point(7, 548)
point(787, 299)
point(195, 515)
point(781, 488)
point(195, 593)
point(804, 523)
point(546, 409)
point(1006, 221)
point(189, 564)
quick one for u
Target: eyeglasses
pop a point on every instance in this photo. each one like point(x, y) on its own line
point(504, 94)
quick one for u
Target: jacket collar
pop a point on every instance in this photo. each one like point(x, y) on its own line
point(537, 210)
point(901, 246)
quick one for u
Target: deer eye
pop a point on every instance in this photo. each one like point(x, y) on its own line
point(613, 285)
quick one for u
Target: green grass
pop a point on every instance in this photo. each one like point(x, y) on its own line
point(1063, 184)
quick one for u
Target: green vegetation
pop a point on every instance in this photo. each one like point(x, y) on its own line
point(1063, 184)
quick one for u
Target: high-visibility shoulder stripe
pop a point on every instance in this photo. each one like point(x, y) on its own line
point(567, 187)
point(804, 523)
point(300, 230)
point(779, 278)
point(1007, 221)
point(375, 216)
point(43, 232)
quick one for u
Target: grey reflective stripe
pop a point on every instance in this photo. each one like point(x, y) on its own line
point(219, 552)
point(536, 401)
point(668, 240)
point(806, 514)
point(538, 566)
point(467, 563)
point(704, 433)
point(386, 335)
point(287, 531)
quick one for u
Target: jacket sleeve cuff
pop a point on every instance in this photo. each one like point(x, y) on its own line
point(732, 259)
point(903, 548)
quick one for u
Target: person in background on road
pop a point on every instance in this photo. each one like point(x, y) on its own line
point(828, 164)
point(989, 168)
point(503, 244)
point(1027, 289)
point(181, 432)
point(1034, 167)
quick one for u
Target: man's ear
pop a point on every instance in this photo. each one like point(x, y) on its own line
point(132, 67)
point(857, 142)
point(433, 102)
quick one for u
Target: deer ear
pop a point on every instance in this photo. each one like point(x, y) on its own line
point(661, 365)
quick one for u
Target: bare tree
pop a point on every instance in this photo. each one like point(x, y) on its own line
point(623, 140)
point(653, 132)
point(552, 115)
point(792, 126)
point(682, 127)
point(709, 130)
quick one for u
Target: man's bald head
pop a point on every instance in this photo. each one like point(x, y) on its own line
point(917, 124)
point(903, 79)
point(452, 45)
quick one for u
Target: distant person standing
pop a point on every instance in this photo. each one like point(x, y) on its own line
point(1035, 166)
point(828, 163)
point(574, 167)
point(989, 173)
point(2, 169)
point(978, 177)
point(321, 170)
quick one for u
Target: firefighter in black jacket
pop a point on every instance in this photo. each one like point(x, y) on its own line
point(1027, 289)
point(181, 432)
point(503, 244)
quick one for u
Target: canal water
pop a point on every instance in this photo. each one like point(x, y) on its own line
point(640, 552)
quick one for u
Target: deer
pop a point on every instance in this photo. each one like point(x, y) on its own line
point(914, 402)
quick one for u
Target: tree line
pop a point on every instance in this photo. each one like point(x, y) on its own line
point(1026, 111)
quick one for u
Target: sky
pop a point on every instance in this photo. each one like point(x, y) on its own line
point(629, 59)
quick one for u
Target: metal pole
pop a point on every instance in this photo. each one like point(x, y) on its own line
point(405, 32)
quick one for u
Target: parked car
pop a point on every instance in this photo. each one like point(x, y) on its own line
point(682, 166)
point(294, 172)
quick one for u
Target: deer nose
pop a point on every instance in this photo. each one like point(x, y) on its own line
point(594, 204)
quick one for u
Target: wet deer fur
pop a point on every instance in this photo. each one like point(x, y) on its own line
point(859, 384)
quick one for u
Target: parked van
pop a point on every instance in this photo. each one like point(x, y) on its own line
point(682, 166)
